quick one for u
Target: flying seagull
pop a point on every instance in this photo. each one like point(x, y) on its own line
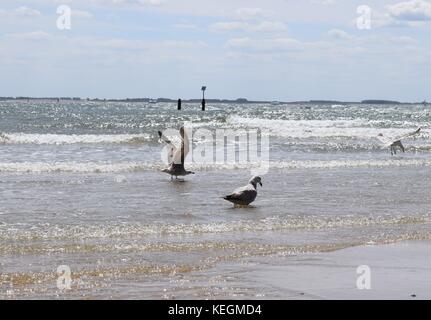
point(395, 143)
point(176, 156)
point(245, 195)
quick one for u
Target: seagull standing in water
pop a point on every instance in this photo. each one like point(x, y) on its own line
point(245, 195)
point(393, 144)
point(176, 155)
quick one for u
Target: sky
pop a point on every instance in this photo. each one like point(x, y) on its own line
point(285, 50)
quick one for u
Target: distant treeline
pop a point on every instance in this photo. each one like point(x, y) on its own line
point(149, 100)
point(240, 100)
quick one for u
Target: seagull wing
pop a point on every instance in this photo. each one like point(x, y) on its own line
point(409, 135)
point(386, 141)
point(181, 153)
point(172, 149)
point(245, 194)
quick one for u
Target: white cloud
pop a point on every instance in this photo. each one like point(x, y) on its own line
point(379, 19)
point(27, 12)
point(404, 40)
point(33, 35)
point(250, 13)
point(130, 2)
point(389, 18)
point(414, 10)
point(269, 26)
point(229, 26)
point(185, 25)
point(81, 14)
point(339, 34)
point(107, 3)
point(264, 26)
point(267, 45)
point(238, 42)
point(20, 12)
point(251, 20)
point(351, 48)
point(413, 13)
point(324, 2)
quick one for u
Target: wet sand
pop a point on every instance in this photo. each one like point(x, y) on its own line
point(398, 271)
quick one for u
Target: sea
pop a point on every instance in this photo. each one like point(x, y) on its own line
point(86, 213)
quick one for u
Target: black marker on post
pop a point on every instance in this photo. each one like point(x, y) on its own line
point(179, 104)
point(203, 98)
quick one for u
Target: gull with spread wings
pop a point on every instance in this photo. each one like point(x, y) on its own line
point(396, 143)
point(176, 156)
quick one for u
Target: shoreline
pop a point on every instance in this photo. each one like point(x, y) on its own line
point(398, 271)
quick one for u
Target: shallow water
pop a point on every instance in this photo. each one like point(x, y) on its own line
point(80, 186)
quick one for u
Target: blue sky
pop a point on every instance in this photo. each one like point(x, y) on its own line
point(267, 49)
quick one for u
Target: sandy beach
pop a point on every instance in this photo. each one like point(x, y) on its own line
point(398, 271)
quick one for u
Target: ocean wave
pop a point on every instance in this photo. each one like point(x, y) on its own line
point(317, 164)
point(76, 167)
point(59, 139)
point(341, 145)
point(90, 167)
point(294, 129)
point(120, 231)
point(359, 128)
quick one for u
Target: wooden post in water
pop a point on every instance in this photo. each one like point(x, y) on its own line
point(179, 104)
point(203, 98)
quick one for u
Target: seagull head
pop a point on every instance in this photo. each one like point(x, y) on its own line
point(256, 180)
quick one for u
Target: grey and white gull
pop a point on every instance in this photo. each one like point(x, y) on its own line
point(245, 195)
point(396, 143)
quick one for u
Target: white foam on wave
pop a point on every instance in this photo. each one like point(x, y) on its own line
point(58, 139)
point(75, 167)
point(317, 164)
point(359, 128)
point(93, 167)
point(262, 225)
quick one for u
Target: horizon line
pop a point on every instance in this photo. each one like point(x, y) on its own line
point(197, 100)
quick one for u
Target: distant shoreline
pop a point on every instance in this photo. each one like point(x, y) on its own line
point(241, 100)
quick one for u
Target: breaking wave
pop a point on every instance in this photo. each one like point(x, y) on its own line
point(44, 231)
point(59, 139)
point(360, 128)
point(91, 167)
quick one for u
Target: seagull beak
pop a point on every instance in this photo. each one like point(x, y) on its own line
point(261, 184)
